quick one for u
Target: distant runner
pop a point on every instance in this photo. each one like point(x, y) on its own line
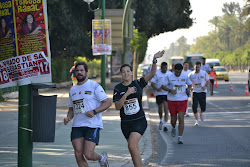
point(200, 81)
point(161, 95)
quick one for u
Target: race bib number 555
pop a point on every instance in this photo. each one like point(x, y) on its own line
point(131, 106)
point(79, 106)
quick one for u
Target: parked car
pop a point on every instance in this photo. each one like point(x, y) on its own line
point(221, 73)
point(249, 78)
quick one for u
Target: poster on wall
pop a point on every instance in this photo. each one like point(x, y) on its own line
point(23, 67)
point(7, 31)
point(26, 34)
point(30, 26)
point(101, 37)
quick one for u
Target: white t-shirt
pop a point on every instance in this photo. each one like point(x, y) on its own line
point(84, 98)
point(179, 84)
point(206, 68)
point(198, 80)
point(186, 72)
point(160, 79)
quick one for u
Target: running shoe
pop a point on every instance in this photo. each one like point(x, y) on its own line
point(196, 123)
point(173, 132)
point(187, 115)
point(165, 129)
point(104, 163)
point(180, 141)
point(160, 125)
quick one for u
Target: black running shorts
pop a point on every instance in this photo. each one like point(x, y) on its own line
point(139, 125)
point(161, 98)
point(199, 98)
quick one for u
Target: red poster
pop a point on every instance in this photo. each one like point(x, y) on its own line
point(30, 26)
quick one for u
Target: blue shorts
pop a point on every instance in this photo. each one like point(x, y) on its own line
point(89, 134)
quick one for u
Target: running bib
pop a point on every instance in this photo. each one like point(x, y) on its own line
point(211, 77)
point(79, 106)
point(178, 89)
point(197, 86)
point(131, 106)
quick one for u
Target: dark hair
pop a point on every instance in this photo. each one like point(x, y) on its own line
point(203, 58)
point(178, 67)
point(125, 65)
point(185, 62)
point(197, 63)
point(84, 64)
point(25, 18)
point(164, 63)
point(1, 22)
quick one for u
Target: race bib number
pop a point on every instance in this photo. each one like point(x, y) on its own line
point(197, 86)
point(131, 106)
point(178, 89)
point(79, 106)
point(211, 77)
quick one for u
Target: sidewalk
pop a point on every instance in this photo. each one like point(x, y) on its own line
point(60, 153)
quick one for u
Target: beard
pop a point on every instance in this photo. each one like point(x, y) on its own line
point(81, 79)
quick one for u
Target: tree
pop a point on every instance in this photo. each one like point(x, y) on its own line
point(70, 22)
point(158, 16)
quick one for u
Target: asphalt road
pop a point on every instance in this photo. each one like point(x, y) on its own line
point(223, 139)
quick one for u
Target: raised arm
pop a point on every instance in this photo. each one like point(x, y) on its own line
point(150, 75)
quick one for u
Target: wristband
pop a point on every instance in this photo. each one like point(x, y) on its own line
point(154, 61)
point(95, 112)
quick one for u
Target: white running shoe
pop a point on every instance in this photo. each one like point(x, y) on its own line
point(173, 132)
point(104, 163)
point(180, 140)
point(196, 123)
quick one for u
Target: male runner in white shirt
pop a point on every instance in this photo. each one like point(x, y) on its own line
point(204, 66)
point(177, 99)
point(161, 95)
point(186, 71)
point(87, 100)
point(200, 81)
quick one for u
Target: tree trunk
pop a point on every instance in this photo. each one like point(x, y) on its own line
point(134, 66)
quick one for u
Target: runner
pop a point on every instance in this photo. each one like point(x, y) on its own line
point(204, 66)
point(128, 99)
point(200, 81)
point(177, 99)
point(87, 100)
point(212, 78)
point(186, 71)
point(161, 95)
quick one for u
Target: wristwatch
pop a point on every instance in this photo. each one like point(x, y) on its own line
point(95, 112)
point(154, 61)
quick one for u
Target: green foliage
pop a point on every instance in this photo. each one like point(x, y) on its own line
point(158, 16)
point(60, 69)
point(1, 97)
point(180, 47)
point(94, 66)
point(229, 41)
point(139, 43)
point(70, 22)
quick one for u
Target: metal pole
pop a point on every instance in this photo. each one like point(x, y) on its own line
point(123, 4)
point(24, 127)
point(103, 65)
point(125, 39)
